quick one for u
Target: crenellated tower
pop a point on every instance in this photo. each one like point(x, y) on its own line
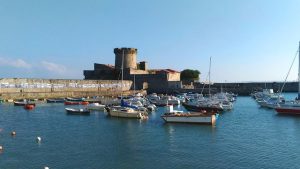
point(129, 58)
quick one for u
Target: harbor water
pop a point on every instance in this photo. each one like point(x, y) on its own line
point(246, 137)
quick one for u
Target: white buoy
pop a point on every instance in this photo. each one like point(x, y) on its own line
point(13, 133)
point(46, 167)
point(38, 139)
point(1, 148)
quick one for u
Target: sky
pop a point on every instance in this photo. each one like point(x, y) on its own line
point(252, 40)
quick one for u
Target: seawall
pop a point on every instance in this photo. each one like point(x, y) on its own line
point(15, 88)
point(243, 88)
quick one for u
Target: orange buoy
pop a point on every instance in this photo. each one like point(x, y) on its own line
point(29, 106)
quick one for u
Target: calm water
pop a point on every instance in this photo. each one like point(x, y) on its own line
point(247, 137)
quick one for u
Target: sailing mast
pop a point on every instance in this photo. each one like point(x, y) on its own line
point(299, 72)
point(133, 84)
point(209, 77)
point(122, 74)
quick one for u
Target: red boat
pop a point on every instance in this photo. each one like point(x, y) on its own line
point(76, 103)
point(29, 106)
point(289, 109)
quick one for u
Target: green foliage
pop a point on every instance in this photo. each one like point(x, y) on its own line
point(189, 74)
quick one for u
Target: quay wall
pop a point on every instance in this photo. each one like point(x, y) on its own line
point(15, 88)
point(244, 88)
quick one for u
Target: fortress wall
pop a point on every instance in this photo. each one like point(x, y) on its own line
point(51, 88)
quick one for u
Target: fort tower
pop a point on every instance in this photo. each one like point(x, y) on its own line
point(129, 58)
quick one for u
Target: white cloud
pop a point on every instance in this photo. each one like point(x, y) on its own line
point(18, 63)
point(53, 67)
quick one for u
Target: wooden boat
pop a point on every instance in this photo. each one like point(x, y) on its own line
point(76, 103)
point(78, 111)
point(56, 100)
point(126, 112)
point(189, 117)
point(29, 106)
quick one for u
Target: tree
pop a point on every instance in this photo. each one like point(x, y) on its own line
point(189, 74)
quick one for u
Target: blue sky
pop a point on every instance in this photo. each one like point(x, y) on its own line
point(248, 40)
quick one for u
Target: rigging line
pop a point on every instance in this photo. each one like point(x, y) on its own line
point(289, 71)
point(204, 83)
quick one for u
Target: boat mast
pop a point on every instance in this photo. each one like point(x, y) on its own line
point(134, 84)
point(299, 72)
point(209, 77)
point(122, 74)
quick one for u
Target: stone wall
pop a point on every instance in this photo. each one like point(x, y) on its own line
point(51, 88)
point(247, 88)
point(173, 76)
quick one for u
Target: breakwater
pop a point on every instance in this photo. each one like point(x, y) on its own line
point(243, 88)
point(15, 88)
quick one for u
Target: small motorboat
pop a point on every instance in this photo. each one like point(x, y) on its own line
point(75, 99)
point(96, 106)
point(20, 103)
point(80, 111)
point(56, 100)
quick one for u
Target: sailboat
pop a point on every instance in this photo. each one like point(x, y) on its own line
point(122, 111)
point(208, 105)
point(292, 108)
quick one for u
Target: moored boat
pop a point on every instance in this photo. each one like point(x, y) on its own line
point(56, 100)
point(202, 107)
point(23, 103)
point(77, 111)
point(76, 103)
point(126, 112)
point(20, 103)
point(75, 99)
point(189, 117)
point(96, 106)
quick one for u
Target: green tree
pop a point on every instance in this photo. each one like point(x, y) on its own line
point(189, 74)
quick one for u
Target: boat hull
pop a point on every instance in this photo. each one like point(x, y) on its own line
point(55, 100)
point(209, 119)
point(77, 111)
point(76, 103)
point(291, 111)
point(135, 115)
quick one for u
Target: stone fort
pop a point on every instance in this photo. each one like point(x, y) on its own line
point(152, 80)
